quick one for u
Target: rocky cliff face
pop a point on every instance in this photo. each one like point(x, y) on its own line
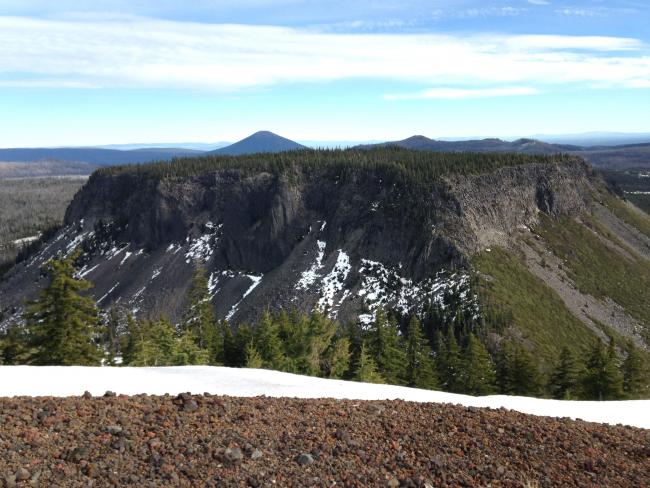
point(344, 244)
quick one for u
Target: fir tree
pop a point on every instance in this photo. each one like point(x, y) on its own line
point(200, 318)
point(186, 351)
point(478, 376)
point(517, 371)
point(338, 358)
point(449, 362)
point(14, 346)
point(636, 374)
point(62, 324)
point(253, 357)
point(321, 332)
point(268, 343)
point(386, 347)
point(602, 379)
point(366, 370)
point(564, 378)
point(420, 371)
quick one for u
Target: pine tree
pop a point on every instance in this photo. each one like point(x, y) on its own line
point(478, 376)
point(602, 379)
point(387, 349)
point(62, 324)
point(420, 370)
point(564, 378)
point(366, 371)
point(636, 374)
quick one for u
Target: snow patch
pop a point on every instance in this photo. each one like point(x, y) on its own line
point(256, 281)
point(310, 276)
point(334, 283)
point(203, 246)
point(74, 380)
point(382, 286)
point(108, 292)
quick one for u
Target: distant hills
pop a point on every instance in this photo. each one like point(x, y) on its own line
point(526, 146)
point(605, 156)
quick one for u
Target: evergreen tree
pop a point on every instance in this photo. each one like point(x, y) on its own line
point(517, 371)
point(268, 343)
point(321, 333)
point(636, 374)
point(230, 354)
point(14, 346)
point(478, 376)
point(200, 318)
point(448, 359)
point(253, 357)
point(602, 379)
point(366, 370)
point(187, 351)
point(338, 358)
point(387, 349)
point(156, 344)
point(420, 370)
point(564, 378)
point(62, 324)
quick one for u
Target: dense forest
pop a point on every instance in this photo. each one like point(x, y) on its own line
point(394, 162)
point(29, 207)
point(446, 348)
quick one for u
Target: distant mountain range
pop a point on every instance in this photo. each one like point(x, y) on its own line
point(620, 156)
point(527, 146)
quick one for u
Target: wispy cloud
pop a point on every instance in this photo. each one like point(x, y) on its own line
point(140, 52)
point(538, 2)
point(463, 93)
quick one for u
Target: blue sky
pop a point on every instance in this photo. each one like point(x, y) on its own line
point(83, 73)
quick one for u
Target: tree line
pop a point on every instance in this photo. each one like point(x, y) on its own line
point(444, 349)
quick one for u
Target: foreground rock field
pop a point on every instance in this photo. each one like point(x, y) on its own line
point(195, 440)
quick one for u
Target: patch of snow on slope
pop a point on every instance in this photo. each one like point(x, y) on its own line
point(310, 276)
point(202, 247)
point(256, 281)
point(77, 241)
point(213, 280)
point(156, 273)
point(108, 292)
point(127, 255)
point(334, 282)
point(74, 380)
point(382, 286)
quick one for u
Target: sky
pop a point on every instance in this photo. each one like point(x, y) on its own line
point(74, 72)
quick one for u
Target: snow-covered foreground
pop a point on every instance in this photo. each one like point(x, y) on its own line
point(73, 381)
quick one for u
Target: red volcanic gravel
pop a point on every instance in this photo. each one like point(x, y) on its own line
point(216, 441)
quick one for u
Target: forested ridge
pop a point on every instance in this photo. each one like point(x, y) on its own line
point(393, 161)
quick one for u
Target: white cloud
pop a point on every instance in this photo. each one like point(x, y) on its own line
point(462, 93)
point(140, 52)
point(538, 2)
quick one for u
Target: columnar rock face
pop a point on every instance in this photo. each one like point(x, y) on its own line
point(296, 239)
